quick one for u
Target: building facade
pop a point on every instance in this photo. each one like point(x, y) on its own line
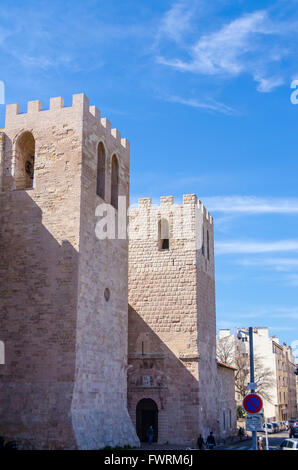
point(94, 349)
point(172, 375)
point(63, 291)
point(226, 403)
point(274, 360)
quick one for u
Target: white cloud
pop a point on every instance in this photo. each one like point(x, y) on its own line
point(267, 311)
point(211, 105)
point(176, 20)
point(236, 246)
point(266, 85)
point(223, 50)
point(238, 47)
point(251, 205)
point(279, 264)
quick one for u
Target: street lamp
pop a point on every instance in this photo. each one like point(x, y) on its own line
point(252, 384)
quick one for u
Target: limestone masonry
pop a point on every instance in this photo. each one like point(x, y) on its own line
point(172, 380)
point(64, 381)
point(98, 347)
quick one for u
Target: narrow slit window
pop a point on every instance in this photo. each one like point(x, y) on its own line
point(101, 170)
point(115, 182)
point(163, 234)
point(208, 247)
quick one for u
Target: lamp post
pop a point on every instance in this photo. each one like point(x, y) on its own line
point(252, 373)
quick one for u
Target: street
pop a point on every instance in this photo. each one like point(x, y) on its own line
point(274, 442)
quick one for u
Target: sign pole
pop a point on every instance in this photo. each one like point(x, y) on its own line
point(252, 379)
point(266, 430)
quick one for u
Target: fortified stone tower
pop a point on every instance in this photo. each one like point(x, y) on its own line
point(172, 330)
point(63, 312)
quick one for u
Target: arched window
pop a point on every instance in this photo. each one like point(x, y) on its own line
point(24, 161)
point(208, 247)
point(163, 234)
point(101, 170)
point(115, 182)
point(203, 241)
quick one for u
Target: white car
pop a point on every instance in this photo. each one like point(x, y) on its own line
point(270, 429)
point(289, 444)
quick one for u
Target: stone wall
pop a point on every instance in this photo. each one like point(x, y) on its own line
point(99, 407)
point(64, 381)
point(171, 297)
point(226, 403)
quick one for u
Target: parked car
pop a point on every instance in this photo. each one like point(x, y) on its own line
point(282, 425)
point(275, 427)
point(270, 429)
point(289, 444)
point(294, 431)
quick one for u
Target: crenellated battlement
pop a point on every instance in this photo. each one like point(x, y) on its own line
point(169, 201)
point(80, 103)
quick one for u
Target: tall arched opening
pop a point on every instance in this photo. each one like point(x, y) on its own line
point(115, 182)
point(101, 170)
point(24, 161)
point(147, 415)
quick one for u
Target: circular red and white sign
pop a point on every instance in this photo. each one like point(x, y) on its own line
point(252, 403)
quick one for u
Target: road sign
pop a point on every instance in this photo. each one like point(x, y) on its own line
point(253, 423)
point(252, 403)
point(252, 386)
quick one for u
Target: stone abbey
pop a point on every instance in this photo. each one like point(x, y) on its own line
point(103, 337)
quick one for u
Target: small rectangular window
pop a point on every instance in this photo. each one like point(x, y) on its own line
point(163, 235)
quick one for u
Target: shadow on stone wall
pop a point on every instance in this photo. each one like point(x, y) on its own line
point(172, 384)
point(38, 285)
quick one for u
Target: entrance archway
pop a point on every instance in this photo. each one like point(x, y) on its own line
point(147, 415)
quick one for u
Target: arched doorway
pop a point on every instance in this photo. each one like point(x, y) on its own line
point(147, 415)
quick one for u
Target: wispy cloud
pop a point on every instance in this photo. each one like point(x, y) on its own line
point(238, 246)
point(274, 312)
point(176, 20)
point(278, 264)
point(209, 105)
point(221, 51)
point(266, 85)
point(251, 205)
point(55, 35)
point(244, 45)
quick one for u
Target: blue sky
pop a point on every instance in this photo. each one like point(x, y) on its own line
point(202, 91)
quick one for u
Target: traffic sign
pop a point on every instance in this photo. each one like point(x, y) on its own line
point(252, 403)
point(253, 423)
point(252, 386)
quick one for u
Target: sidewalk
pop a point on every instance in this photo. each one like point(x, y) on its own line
point(232, 442)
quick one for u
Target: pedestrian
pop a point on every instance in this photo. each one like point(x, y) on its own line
point(200, 442)
point(240, 433)
point(210, 441)
point(261, 445)
point(150, 434)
